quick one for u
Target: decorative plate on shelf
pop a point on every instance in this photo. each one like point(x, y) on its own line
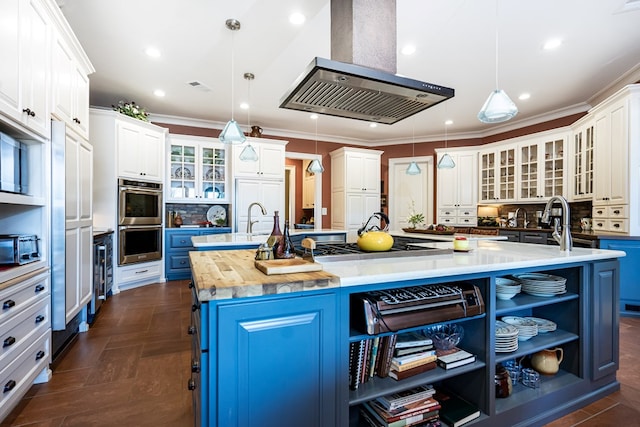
point(183, 173)
point(215, 213)
point(209, 175)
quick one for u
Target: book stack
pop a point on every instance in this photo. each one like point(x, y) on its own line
point(414, 407)
point(452, 358)
point(454, 410)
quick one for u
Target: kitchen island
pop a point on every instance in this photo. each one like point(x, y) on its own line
point(280, 357)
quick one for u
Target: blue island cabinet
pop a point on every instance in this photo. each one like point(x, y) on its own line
point(276, 361)
point(177, 247)
point(629, 285)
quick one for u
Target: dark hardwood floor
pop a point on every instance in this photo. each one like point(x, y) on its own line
point(131, 369)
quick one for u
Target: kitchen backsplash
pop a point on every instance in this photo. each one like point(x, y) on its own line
point(191, 214)
point(578, 210)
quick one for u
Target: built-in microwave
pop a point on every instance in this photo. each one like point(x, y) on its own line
point(139, 202)
point(13, 165)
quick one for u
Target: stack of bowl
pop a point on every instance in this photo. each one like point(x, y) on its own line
point(506, 288)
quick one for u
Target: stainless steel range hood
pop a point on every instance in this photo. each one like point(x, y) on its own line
point(360, 81)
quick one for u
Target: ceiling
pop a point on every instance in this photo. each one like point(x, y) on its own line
point(455, 44)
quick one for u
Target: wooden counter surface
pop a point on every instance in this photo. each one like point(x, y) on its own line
point(232, 274)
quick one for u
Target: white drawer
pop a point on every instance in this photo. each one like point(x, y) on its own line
point(18, 376)
point(19, 331)
point(449, 213)
point(15, 298)
point(136, 272)
point(600, 224)
point(619, 211)
point(447, 220)
point(599, 212)
point(468, 221)
point(467, 213)
point(619, 225)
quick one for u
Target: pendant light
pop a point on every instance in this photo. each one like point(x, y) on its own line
point(232, 134)
point(248, 153)
point(315, 167)
point(413, 168)
point(498, 107)
point(446, 162)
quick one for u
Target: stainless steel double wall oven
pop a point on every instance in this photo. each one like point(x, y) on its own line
point(139, 221)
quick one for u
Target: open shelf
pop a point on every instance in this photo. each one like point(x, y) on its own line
point(523, 395)
point(524, 301)
point(537, 343)
point(377, 386)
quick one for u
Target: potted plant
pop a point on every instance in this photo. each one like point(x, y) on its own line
point(414, 218)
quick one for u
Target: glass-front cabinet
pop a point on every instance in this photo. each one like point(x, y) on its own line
point(498, 174)
point(582, 166)
point(541, 168)
point(197, 170)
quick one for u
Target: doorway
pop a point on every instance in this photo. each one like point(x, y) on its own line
point(291, 201)
point(407, 192)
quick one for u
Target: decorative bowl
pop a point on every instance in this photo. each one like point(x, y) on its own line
point(445, 337)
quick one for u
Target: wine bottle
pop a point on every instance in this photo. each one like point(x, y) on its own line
point(286, 249)
point(275, 238)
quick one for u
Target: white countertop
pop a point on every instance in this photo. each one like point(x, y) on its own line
point(446, 237)
point(484, 256)
point(241, 239)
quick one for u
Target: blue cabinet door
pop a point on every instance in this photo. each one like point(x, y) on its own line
point(277, 363)
point(605, 319)
point(629, 268)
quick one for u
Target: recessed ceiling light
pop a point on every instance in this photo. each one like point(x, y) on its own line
point(313, 117)
point(408, 49)
point(552, 44)
point(159, 93)
point(153, 52)
point(524, 96)
point(373, 125)
point(297, 18)
point(244, 105)
point(448, 122)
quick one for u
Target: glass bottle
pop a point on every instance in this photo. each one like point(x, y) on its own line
point(285, 249)
point(275, 238)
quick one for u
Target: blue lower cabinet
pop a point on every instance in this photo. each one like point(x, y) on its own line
point(629, 284)
point(277, 363)
point(178, 244)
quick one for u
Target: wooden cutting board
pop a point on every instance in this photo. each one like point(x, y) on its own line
point(285, 266)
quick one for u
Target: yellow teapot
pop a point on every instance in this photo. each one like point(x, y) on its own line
point(375, 239)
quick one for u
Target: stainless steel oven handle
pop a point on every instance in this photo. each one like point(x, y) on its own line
point(142, 190)
point(139, 227)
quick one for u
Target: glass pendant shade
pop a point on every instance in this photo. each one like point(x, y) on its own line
point(249, 154)
point(497, 108)
point(413, 169)
point(446, 162)
point(315, 167)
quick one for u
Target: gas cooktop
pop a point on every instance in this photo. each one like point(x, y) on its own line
point(325, 252)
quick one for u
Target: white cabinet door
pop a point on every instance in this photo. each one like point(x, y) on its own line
point(85, 158)
point(270, 163)
point(467, 179)
point(140, 152)
point(488, 179)
point(541, 168)
point(269, 193)
point(362, 172)
point(359, 208)
point(582, 161)
point(10, 72)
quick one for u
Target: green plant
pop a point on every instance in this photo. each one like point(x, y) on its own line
point(414, 218)
point(132, 110)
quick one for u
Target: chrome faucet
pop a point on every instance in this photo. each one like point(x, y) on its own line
point(249, 222)
point(565, 241)
point(525, 223)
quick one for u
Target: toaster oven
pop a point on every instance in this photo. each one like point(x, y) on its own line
point(18, 249)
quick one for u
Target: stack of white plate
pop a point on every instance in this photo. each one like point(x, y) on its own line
point(506, 337)
point(527, 328)
point(506, 288)
point(542, 285)
point(544, 325)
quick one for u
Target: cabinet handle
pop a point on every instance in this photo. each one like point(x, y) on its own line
point(195, 366)
point(191, 330)
point(76, 120)
point(8, 304)
point(616, 225)
point(191, 385)
point(39, 288)
point(8, 342)
point(617, 212)
point(141, 271)
point(29, 112)
point(194, 308)
point(9, 386)
point(191, 285)
point(40, 355)
point(183, 262)
point(183, 241)
point(39, 318)
point(600, 224)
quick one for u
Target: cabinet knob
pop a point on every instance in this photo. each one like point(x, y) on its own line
point(191, 285)
point(39, 288)
point(39, 318)
point(9, 386)
point(191, 330)
point(8, 342)
point(8, 304)
point(29, 112)
point(40, 355)
point(191, 385)
point(195, 366)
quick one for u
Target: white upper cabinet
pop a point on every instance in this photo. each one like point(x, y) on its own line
point(457, 195)
point(70, 87)
point(363, 171)
point(581, 160)
point(197, 170)
point(270, 163)
point(541, 167)
point(498, 174)
point(25, 34)
point(140, 150)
